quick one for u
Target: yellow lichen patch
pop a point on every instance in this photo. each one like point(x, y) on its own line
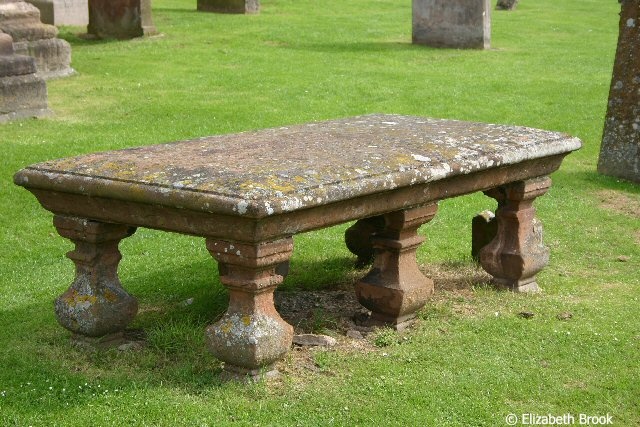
point(403, 159)
point(246, 320)
point(110, 296)
point(278, 185)
point(226, 327)
point(75, 298)
point(247, 185)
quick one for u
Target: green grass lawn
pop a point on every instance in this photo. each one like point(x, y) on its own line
point(469, 361)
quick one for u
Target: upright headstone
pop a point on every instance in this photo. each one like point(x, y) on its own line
point(620, 149)
point(506, 4)
point(229, 6)
point(31, 37)
point(22, 93)
point(120, 19)
point(63, 12)
point(452, 23)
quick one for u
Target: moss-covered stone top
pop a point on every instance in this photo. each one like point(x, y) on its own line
point(267, 172)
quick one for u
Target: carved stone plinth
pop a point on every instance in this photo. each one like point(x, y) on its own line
point(31, 37)
point(358, 238)
point(229, 6)
point(395, 288)
point(120, 19)
point(95, 305)
point(22, 93)
point(463, 24)
point(620, 149)
point(251, 336)
point(517, 253)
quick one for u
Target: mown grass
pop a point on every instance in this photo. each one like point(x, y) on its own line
point(470, 360)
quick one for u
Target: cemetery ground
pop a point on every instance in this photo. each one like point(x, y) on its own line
point(475, 354)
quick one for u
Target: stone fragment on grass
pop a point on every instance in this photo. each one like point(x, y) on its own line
point(312, 340)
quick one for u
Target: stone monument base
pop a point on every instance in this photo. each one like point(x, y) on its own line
point(21, 21)
point(63, 12)
point(120, 20)
point(229, 6)
point(52, 56)
point(461, 24)
point(620, 149)
point(22, 93)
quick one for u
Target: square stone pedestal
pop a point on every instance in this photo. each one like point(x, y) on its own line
point(463, 24)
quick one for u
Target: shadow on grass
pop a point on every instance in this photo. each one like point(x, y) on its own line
point(355, 47)
point(600, 181)
point(47, 368)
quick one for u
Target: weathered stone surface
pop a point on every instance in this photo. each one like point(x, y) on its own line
point(517, 253)
point(63, 12)
point(229, 6)
point(506, 4)
point(31, 37)
point(120, 19)
point(251, 336)
point(53, 56)
point(95, 305)
point(313, 340)
point(22, 93)
point(395, 289)
point(620, 149)
point(452, 23)
point(295, 168)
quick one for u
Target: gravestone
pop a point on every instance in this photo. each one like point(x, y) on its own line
point(120, 19)
point(620, 149)
point(506, 4)
point(63, 12)
point(31, 37)
point(462, 24)
point(229, 6)
point(22, 93)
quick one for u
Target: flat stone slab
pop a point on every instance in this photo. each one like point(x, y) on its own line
point(269, 172)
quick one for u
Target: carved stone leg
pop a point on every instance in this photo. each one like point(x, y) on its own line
point(484, 226)
point(517, 253)
point(395, 288)
point(358, 238)
point(251, 336)
point(95, 305)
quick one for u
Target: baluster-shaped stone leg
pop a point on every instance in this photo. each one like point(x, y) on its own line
point(251, 336)
point(517, 253)
point(395, 288)
point(95, 307)
point(358, 238)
